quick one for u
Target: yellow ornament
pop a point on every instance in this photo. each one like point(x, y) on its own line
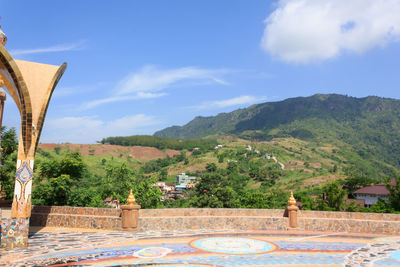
point(292, 200)
point(131, 199)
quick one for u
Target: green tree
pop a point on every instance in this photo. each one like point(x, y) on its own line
point(356, 181)
point(394, 197)
point(253, 200)
point(9, 145)
point(163, 174)
point(84, 197)
point(211, 167)
point(335, 197)
point(120, 178)
point(55, 191)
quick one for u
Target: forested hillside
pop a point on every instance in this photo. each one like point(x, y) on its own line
point(367, 128)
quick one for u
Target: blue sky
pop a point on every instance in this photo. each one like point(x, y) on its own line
point(135, 67)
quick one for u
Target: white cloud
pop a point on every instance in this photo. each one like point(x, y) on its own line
point(87, 129)
point(151, 79)
point(149, 82)
point(240, 100)
point(304, 31)
point(139, 95)
point(56, 48)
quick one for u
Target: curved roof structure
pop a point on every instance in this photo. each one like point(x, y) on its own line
point(31, 86)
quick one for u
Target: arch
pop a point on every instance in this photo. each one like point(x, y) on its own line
point(56, 78)
point(16, 87)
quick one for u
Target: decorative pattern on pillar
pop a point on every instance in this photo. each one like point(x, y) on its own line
point(21, 207)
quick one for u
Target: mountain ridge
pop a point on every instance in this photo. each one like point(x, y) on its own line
point(366, 126)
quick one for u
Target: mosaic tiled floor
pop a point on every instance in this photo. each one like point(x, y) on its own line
point(205, 249)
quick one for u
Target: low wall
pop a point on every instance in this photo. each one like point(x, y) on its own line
point(211, 219)
point(76, 217)
point(216, 219)
point(349, 215)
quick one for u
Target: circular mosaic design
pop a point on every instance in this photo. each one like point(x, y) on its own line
point(152, 252)
point(233, 245)
point(395, 255)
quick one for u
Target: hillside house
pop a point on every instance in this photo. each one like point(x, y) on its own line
point(183, 179)
point(164, 187)
point(371, 194)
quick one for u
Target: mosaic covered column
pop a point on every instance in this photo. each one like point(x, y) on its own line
point(30, 85)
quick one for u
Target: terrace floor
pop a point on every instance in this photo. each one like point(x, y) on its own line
point(79, 247)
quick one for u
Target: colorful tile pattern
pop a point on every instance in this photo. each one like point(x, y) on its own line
point(199, 248)
point(14, 232)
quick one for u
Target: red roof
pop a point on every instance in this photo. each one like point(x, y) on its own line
point(377, 189)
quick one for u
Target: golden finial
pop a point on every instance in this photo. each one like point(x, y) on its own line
point(131, 199)
point(292, 200)
point(3, 37)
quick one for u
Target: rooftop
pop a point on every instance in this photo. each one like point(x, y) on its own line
point(377, 189)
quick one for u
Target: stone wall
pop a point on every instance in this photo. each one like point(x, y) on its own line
point(209, 219)
point(76, 217)
point(356, 222)
point(349, 215)
point(210, 212)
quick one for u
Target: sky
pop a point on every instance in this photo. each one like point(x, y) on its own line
point(135, 67)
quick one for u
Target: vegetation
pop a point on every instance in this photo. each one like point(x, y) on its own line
point(323, 148)
point(9, 145)
point(361, 128)
point(160, 142)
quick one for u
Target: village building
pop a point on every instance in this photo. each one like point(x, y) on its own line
point(371, 194)
point(184, 179)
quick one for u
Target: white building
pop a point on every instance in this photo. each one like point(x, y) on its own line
point(371, 194)
point(183, 179)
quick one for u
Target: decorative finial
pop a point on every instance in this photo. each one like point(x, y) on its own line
point(3, 37)
point(131, 199)
point(292, 200)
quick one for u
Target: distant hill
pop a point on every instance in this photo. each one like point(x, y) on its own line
point(367, 128)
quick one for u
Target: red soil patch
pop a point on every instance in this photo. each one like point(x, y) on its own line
point(172, 153)
point(137, 152)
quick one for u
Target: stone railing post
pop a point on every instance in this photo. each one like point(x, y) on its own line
point(130, 214)
point(292, 211)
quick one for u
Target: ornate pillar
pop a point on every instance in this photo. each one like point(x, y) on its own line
point(30, 85)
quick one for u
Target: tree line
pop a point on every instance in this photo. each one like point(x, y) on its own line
point(204, 144)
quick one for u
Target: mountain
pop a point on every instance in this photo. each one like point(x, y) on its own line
point(367, 127)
